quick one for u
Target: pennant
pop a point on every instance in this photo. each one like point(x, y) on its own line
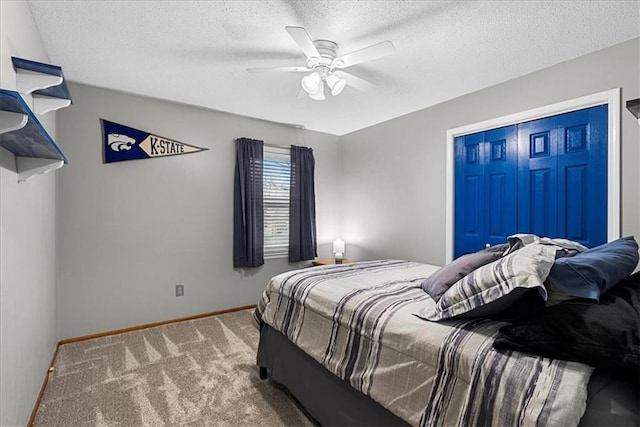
point(124, 143)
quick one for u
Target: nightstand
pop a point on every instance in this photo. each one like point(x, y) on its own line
point(329, 261)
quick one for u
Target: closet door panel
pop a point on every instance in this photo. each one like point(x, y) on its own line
point(573, 212)
point(486, 176)
point(582, 176)
point(540, 202)
point(497, 216)
point(470, 206)
point(537, 177)
point(501, 173)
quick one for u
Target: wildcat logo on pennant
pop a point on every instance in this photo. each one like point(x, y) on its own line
point(124, 143)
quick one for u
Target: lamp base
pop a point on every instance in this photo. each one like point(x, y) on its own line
point(338, 260)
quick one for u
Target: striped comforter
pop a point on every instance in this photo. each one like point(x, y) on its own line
point(357, 320)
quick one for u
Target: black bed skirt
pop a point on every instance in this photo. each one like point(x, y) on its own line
point(328, 399)
point(613, 399)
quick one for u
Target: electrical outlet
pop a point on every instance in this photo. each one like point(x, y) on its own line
point(179, 289)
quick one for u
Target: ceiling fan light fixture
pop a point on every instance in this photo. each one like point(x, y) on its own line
point(311, 82)
point(319, 94)
point(336, 84)
point(322, 60)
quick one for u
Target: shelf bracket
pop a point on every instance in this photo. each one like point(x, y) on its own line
point(11, 121)
point(29, 166)
point(633, 105)
point(28, 81)
point(44, 104)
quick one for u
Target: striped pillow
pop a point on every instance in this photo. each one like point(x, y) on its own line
point(493, 288)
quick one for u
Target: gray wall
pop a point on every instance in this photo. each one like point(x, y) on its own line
point(27, 245)
point(128, 231)
point(394, 175)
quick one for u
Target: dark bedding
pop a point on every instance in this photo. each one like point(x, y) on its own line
point(604, 335)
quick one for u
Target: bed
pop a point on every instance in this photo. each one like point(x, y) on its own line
point(365, 344)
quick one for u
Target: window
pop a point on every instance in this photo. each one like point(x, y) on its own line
point(276, 181)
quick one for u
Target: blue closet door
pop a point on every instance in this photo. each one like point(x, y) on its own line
point(562, 180)
point(547, 177)
point(485, 175)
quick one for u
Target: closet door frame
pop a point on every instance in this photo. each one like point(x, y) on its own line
point(611, 98)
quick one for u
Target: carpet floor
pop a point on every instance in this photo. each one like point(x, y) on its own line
point(194, 373)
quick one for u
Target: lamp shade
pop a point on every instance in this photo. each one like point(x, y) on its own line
point(336, 84)
point(338, 246)
point(311, 83)
point(318, 95)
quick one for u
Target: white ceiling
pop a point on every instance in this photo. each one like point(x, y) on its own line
point(197, 52)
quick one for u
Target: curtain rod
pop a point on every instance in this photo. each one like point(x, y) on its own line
point(284, 147)
point(281, 147)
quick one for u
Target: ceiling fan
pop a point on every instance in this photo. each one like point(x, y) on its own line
point(326, 67)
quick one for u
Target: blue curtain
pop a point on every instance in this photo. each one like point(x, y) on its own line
point(302, 206)
point(248, 228)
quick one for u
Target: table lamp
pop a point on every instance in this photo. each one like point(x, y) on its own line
point(338, 250)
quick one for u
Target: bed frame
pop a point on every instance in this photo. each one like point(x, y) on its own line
point(612, 399)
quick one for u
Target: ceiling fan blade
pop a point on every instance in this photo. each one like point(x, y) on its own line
point(375, 51)
point(279, 69)
point(354, 81)
point(303, 40)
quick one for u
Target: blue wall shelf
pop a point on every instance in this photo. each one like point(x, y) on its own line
point(45, 83)
point(20, 129)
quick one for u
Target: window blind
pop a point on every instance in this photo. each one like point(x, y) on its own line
point(276, 182)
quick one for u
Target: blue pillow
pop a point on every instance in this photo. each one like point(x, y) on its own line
point(593, 272)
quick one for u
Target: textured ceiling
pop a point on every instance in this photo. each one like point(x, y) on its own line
point(197, 52)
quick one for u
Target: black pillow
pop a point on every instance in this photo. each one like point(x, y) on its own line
point(604, 335)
